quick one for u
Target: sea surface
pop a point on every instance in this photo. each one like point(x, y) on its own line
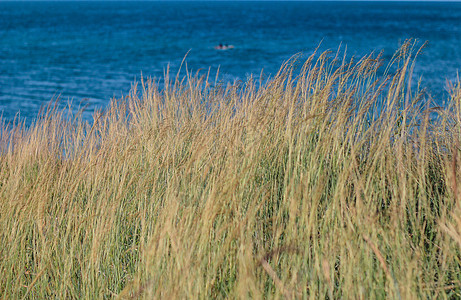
point(93, 51)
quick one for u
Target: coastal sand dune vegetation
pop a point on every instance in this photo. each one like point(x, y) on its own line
point(338, 178)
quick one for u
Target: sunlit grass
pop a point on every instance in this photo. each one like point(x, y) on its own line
point(333, 181)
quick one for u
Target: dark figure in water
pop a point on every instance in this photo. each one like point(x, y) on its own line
point(224, 47)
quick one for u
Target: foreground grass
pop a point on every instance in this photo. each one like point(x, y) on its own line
point(336, 183)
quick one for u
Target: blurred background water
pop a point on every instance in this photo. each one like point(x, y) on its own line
point(94, 51)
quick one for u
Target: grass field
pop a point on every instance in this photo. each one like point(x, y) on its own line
point(337, 181)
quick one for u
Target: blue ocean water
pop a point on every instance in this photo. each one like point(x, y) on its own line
point(93, 51)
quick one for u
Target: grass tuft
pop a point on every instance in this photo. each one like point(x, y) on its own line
point(334, 179)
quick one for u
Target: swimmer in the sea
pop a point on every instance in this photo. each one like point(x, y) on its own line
point(224, 47)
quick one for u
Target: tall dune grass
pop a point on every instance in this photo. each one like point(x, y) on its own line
point(335, 181)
